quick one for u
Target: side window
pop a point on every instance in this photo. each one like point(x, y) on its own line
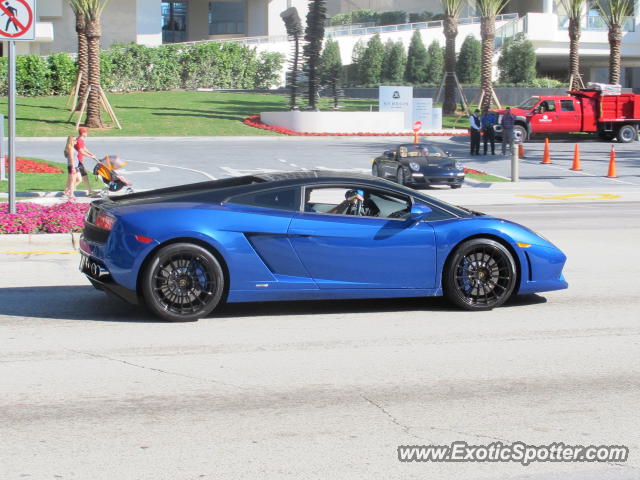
point(552, 105)
point(280, 199)
point(567, 105)
point(357, 201)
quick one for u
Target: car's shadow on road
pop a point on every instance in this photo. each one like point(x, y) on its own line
point(87, 304)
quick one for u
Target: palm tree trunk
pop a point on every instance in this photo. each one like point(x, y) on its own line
point(450, 34)
point(615, 39)
point(574, 58)
point(93, 32)
point(83, 60)
point(488, 34)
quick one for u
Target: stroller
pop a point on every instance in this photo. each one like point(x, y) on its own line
point(106, 170)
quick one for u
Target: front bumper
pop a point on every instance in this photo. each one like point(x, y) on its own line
point(438, 179)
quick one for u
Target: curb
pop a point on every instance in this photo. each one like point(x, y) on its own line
point(28, 242)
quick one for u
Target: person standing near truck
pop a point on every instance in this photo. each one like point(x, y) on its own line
point(507, 122)
point(488, 120)
point(474, 129)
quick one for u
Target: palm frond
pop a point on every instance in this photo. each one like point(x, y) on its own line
point(573, 8)
point(92, 9)
point(452, 8)
point(615, 12)
point(490, 8)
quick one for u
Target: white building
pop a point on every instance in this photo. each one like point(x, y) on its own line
point(153, 22)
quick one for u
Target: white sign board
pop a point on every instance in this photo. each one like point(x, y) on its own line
point(436, 119)
point(397, 99)
point(422, 112)
point(18, 20)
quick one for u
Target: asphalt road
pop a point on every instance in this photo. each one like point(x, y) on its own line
point(93, 388)
point(162, 162)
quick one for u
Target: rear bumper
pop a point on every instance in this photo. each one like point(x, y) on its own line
point(100, 277)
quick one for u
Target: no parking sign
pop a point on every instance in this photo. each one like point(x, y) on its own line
point(17, 20)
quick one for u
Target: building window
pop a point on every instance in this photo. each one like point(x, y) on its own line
point(174, 22)
point(227, 17)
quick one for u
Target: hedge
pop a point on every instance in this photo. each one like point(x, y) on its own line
point(134, 68)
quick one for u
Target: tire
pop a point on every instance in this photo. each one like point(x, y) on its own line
point(479, 275)
point(520, 134)
point(375, 171)
point(182, 282)
point(401, 176)
point(627, 134)
point(455, 186)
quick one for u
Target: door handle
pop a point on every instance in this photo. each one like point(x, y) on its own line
point(302, 232)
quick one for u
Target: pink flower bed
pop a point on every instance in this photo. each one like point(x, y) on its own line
point(34, 218)
point(255, 122)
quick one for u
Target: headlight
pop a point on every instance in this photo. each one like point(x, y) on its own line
point(459, 166)
point(414, 166)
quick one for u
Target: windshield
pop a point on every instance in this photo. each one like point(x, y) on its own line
point(529, 103)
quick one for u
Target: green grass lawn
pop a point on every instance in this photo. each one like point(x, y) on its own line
point(485, 178)
point(174, 113)
point(46, 182)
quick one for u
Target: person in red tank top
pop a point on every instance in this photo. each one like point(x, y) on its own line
point(81, 148)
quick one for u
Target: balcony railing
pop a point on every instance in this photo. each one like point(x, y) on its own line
point(343, 30)
point(596, 23)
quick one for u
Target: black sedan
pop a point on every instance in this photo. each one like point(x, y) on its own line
point(419, 165)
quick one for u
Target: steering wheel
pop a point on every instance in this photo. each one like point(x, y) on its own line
point(355, 209)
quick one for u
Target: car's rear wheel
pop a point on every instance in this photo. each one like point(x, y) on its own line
point(375, 170)
point(456, 186)
point(183, 282)
point(480, 275)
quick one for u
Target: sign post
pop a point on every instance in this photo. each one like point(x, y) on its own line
point(20, 26)
point(417, 126)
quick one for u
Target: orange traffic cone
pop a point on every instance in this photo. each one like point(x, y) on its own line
point(521, 151)
point(612, 164)
point(576, 159)
point(546, 158)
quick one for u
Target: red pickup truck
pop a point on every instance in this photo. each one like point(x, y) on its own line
point(588, 110)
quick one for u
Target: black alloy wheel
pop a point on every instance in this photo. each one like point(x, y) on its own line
point(183, 282)
point(480, 275)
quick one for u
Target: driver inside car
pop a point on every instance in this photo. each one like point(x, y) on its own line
point(351, 205)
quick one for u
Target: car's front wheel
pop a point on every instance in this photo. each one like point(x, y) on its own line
point(480, 275)
point(183, 282)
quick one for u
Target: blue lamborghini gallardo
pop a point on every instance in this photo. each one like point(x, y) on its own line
point(184, 250)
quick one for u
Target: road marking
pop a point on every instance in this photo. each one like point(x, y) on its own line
point(38, 252)
point(211, 177)
point(235, 172)
point(574, 196)
point(148, 170)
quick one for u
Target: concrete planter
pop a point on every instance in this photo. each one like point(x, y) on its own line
point(336, 122)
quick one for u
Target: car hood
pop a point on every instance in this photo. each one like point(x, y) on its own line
point(441, 162)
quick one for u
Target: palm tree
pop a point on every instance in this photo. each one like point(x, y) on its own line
point(488, 10)
point(614, 14)
point(83, 53)
point(92, 10)
point(574, 9)
point(451, 9)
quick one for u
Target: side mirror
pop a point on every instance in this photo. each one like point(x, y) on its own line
point(419, 211)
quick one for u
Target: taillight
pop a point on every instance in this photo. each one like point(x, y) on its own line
point(105, 221)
